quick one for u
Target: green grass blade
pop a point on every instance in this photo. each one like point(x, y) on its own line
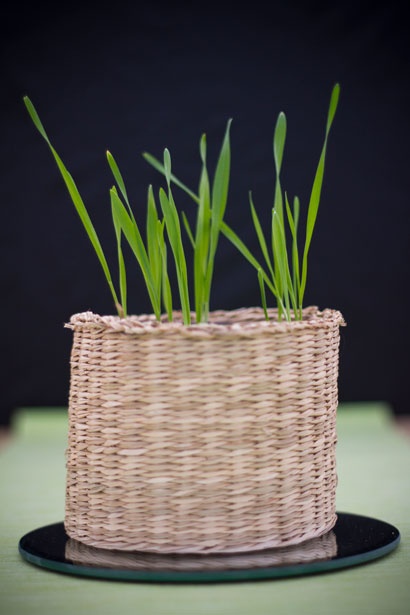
point(154, 162)
point(281, 254)
point(295, 252)
point(174, 235)
point(134, 239)
point(220, 186)
point(263, 294)
point(76, 199)
point(118, 178)
point(286, 281)
point(188, 229)
point(334, 101)
point(290, 217)
point(202, 241)
point(239, 245)
point(260, 234)
point(317, 190)
point(167, 165)
point(166, 286)
point(281, 259)
point(122, 309)
point(219, 199)
point(279, 139)
point(154, 254)
point(35, 118)
point(296, 213)
point(247, 254)
point(318, 181)
point(293, 220)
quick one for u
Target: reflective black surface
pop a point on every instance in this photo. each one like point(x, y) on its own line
point(354, 540)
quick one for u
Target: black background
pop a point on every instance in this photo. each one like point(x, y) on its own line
point(129, 78)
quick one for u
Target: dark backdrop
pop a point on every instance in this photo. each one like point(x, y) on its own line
point(132, 77)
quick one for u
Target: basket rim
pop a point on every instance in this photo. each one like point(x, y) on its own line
point(242, 321)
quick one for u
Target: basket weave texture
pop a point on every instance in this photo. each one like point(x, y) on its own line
point(316, 549)
point(205, 438)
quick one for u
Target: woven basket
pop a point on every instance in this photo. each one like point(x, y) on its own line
point(201, 439)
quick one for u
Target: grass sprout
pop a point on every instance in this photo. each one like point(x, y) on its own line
point(173, 227)
point(152, 259)
point(211, 199)
point(285, 267)
point(130, 229)
point(152, 256)
point(285, 275)
point(77, 201)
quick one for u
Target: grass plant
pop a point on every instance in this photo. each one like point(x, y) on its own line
point(211, 200)
point(284, 266)
point(152, 256)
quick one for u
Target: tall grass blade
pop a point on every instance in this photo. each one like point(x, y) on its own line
point(76, 199)
point(134, 239)
point(122, 309)
point(175, 239)
point(263, 294)
point(279, 139)
point(260, 234)
point(118, 178)
point(220, 184)
point(317, 189)
point(154, 162)
point(334, 101)
point(219, 199)
point(220, 187)
point(153, 248)
point(188, 229)
point(202, 241)
point(281, 260)
point(166, 286)
point(293, 220)
point(247, 254)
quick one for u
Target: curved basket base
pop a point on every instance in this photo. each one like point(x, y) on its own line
point(354, 540)
point(216, 544)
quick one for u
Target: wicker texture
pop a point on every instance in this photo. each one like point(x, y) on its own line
point(208, 438)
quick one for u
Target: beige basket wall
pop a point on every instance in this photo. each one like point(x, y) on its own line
point(209, 438)
point(314, 550)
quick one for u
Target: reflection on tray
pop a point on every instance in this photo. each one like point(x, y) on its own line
point(317, 549)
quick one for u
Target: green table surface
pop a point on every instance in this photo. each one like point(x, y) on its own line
point(373, 460)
